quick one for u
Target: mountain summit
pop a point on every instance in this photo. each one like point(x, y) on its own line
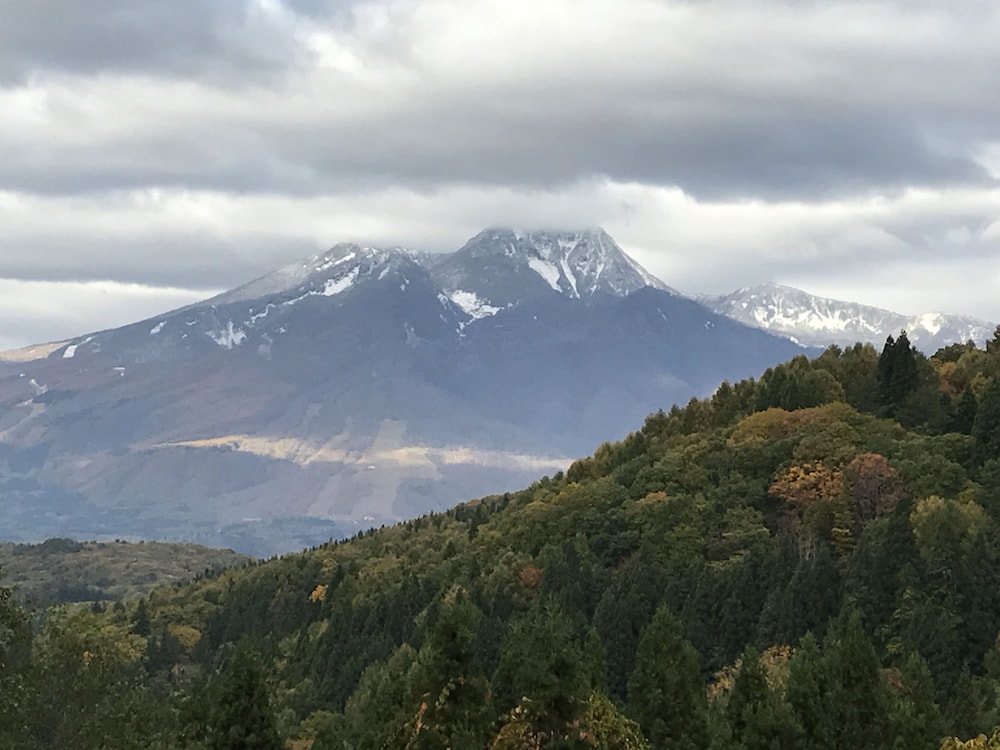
point(364, 385)
point(328, 273)
point(812, 320)
point(355, 387)
point(504, 267)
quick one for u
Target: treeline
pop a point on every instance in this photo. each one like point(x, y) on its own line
point(59, 571)
point(805, 560)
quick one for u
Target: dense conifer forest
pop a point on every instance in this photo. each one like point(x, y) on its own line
point(807, 560)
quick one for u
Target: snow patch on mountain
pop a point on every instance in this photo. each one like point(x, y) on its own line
point(336, 286)
point(472, 305)
point(334, 261)
point(229, 336)
point(547, 271)
point(812, 320)
point(569, 276)
point(930, 322)
point(318, 274)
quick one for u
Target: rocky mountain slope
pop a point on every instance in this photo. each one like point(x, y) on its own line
point(818, 321)
point(356, 387)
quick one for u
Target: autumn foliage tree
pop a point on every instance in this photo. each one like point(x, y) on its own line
point(873, 487)
point(807, 492)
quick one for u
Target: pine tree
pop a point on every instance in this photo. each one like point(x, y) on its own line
point(665, 692)
point(759, 717)
point(807, 693)
point(915, 717)
point(986, 425)
point(140, 620)
point(541, 675)
point(239, 712)
point(964, 417)
point(898, 373)
point(450, 704)
point(15, 640)
point(856, 700)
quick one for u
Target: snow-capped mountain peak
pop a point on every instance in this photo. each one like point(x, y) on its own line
point(812, 320)
point(501, 266)
point(329, 270)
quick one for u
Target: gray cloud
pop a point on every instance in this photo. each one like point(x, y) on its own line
point(723, 142)
point(214, 38)
point(783, 101)
point(47, 311)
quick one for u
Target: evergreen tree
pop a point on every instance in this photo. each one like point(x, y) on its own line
point(15, 639)
point(797, 385)
point(595, 660)
point(450, 702)
point(807, 693)
point(759, 717)
point(964, 418)
point(915, 718)
point(541, 675)
point(624, 609)
point(986, 425)
point(898, 373)
point(140, 620)
point(809, 600)
point(239, 714)
point(665, 692)
point(855, 694)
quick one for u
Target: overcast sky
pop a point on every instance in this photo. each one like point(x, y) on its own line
point(154, 151)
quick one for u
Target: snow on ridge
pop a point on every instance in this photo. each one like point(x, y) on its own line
point(808, 318)
point(254, 317)
point(331, 262)
point(336, 286)
point(157, 328)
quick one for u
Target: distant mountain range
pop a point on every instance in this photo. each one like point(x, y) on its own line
point(359, 387)
point(818, 321)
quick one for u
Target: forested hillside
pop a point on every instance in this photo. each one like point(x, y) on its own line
point(808, 560)
point(57, 571)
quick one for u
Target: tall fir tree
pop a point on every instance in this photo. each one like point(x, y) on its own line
point(666, 694)
point(759, 717)
point(898, 373)
point(239, 715)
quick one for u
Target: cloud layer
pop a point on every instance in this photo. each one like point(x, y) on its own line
point(839, 146)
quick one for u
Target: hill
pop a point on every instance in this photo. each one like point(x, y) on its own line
point(63, 570)
point(809, 559)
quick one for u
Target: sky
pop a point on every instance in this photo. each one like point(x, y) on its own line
point(154, 152)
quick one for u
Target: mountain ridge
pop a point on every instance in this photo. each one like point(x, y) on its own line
point(355, 387)
point(814, 320)
point(539, 260)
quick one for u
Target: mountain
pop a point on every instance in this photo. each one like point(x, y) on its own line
point(818, 321)
point(356, 387)
point(503, 267)
point(738, 573)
